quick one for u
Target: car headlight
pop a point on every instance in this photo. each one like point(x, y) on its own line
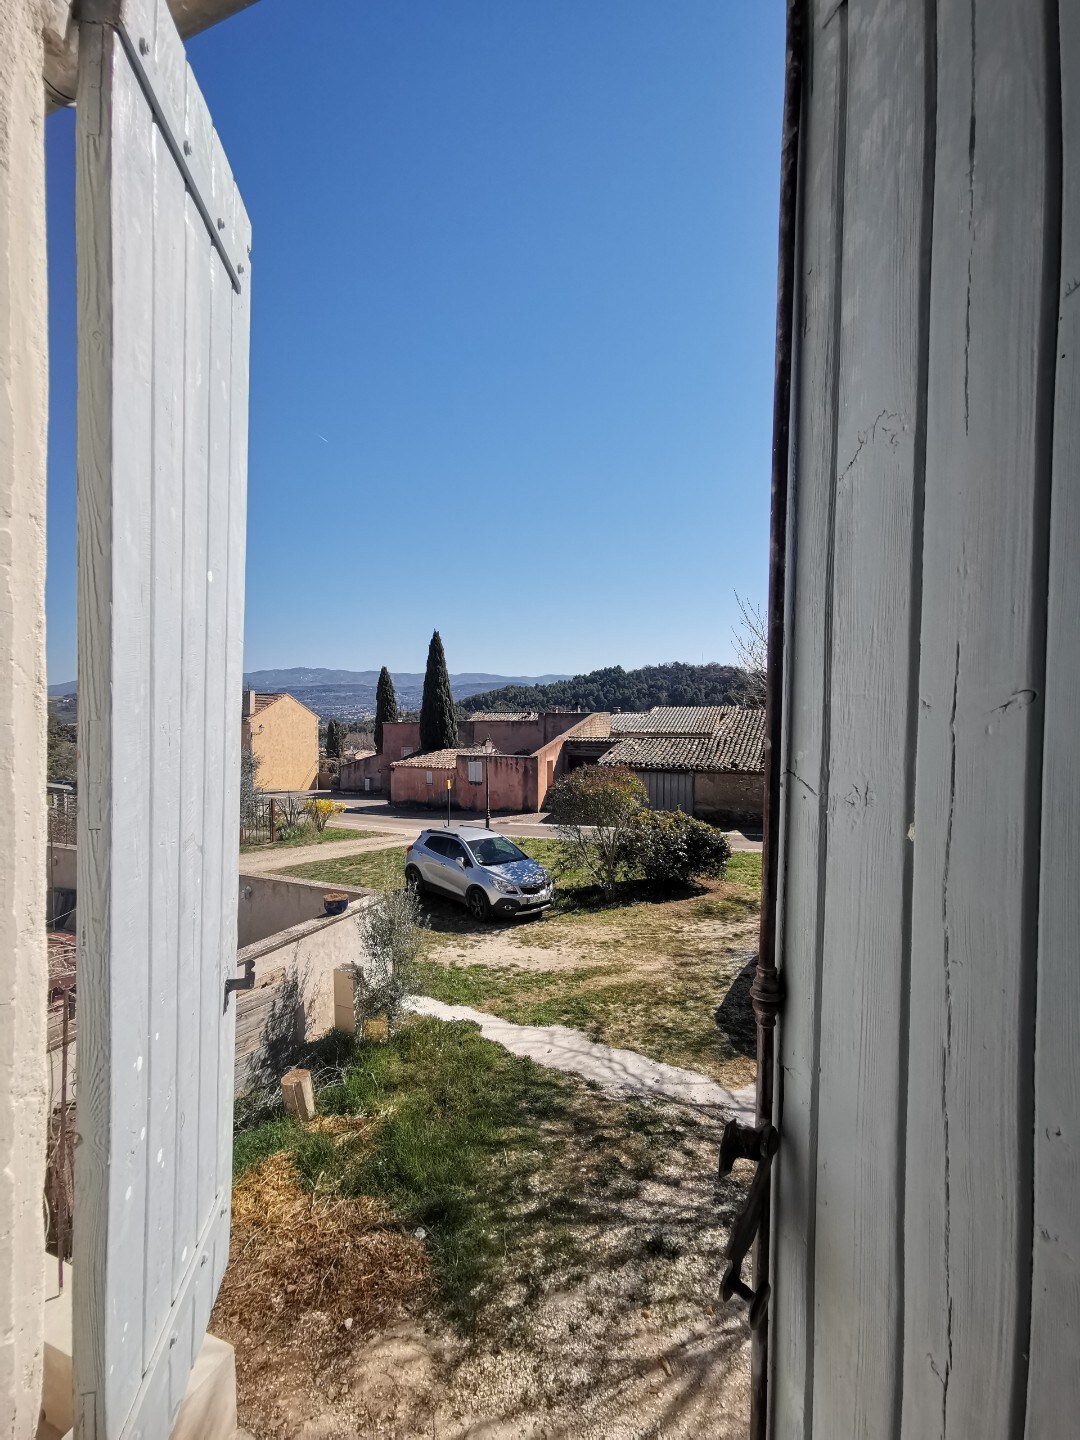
point(503, 885)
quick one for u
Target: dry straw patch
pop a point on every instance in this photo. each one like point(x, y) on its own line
point(302, 1264)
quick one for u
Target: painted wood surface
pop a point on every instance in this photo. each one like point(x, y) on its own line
point(1054, 1347)
point(927, 1215)
point(163, 336)
point(806, 762)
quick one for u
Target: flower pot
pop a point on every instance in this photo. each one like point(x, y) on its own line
point(334, 902)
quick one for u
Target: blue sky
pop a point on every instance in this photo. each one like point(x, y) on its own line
point(514, 268)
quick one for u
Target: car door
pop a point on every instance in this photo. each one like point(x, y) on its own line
point(431, 857)
point(458, 867)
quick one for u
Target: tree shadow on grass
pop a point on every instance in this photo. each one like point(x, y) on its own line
point(734, 1016)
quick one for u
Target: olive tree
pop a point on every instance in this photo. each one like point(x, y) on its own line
point(391, 937)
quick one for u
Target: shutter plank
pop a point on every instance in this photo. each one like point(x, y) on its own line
point(192, 744)
point(115, 208)
point(166, 607)
point(234, 680)
point(876, 510)
point(968, 1232)
point(215, 891)
point(1054, 1382)
point(806, 787)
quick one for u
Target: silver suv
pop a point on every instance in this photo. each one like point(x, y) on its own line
point(483, 870)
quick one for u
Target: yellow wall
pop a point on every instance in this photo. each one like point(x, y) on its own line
point(284, 738)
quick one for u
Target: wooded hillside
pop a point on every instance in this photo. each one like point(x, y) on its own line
point(618, 689)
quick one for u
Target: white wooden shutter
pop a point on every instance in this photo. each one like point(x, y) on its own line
point(163, 355)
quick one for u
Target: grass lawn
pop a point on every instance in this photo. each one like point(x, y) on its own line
point(372, 869)
point(644, 973)
point(306, 835)
point(459, 1227)
point(460, 1132)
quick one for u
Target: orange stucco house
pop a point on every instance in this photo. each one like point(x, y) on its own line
point(283, 736)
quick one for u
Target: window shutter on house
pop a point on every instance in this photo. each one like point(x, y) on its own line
point(162, 246)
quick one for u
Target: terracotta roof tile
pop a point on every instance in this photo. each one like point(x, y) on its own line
point(737, 744)
point(672, 720)
point(441, 759)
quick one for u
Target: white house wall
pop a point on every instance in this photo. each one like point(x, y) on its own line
point(927, 1232)
point(23, 968)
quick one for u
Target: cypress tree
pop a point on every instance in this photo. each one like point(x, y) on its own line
point(386, 708)
point(335, 733)
point(438, 722)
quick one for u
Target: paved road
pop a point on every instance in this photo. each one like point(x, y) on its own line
point(375, 814)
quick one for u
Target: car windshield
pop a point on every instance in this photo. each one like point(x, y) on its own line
point(494, 850)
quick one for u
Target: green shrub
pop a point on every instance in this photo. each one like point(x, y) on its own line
point(668, 847)
point(594, 809)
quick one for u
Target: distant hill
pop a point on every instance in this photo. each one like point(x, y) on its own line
point(270, 680)
point(350, 694)
point(619, 689)
point(345, 694)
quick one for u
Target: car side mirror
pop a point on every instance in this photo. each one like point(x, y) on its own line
point(462, 861)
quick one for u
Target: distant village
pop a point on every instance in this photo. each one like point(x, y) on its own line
point(706, 760)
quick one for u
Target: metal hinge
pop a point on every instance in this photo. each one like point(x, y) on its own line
point(758, 1143)
point(247, 983)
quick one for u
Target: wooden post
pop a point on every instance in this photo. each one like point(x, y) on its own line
point(298, 1094)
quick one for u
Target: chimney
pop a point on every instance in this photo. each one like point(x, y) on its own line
point(249, 703)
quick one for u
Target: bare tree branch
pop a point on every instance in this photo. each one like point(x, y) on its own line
point(751, 650)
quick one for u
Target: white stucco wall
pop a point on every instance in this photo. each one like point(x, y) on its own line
point(23, 420)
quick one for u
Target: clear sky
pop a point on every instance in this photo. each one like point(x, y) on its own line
point(514, 276)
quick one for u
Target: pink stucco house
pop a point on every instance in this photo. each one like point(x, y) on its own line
point(506, 761)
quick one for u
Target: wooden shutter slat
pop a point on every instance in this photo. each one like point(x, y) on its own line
point(166, 612)
point(1053, 1386)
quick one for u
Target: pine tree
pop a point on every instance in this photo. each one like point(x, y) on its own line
point(438, 722)
point(386, 706)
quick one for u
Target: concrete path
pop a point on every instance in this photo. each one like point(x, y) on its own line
point(621, 1072)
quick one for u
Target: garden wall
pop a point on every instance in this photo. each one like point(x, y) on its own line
point(269, 904)
point(317, 947)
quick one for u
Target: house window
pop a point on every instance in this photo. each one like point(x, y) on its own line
point(476, 771)
point(428, 776)
point(406, 751)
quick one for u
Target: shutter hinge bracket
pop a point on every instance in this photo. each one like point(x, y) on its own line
point(247, 982)
point(758, 1143)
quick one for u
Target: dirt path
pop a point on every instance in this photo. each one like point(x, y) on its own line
point(621, 1072)
point(271, 860)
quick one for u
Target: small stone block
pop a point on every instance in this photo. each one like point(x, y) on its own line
point(376, 1028)
point(298, 1094)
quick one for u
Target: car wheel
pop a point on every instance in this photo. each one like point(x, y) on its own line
point(414, 881)
point(479, 905)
